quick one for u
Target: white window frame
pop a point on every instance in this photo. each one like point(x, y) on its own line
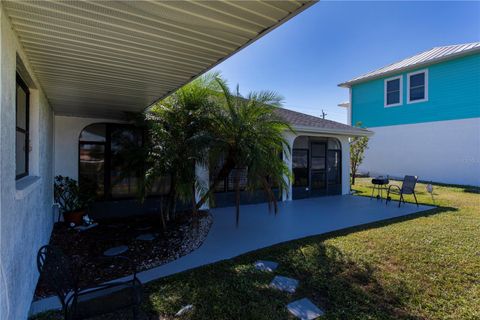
point(400, 77)
point(425, 71)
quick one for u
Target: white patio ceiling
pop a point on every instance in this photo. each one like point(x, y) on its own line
point(101, 58)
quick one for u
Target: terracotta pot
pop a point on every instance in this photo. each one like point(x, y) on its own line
point(75, 217)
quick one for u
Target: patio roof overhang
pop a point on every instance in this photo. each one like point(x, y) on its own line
point(104, 58)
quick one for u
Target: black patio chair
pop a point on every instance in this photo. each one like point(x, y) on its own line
point(81, 303)
point(408, 187)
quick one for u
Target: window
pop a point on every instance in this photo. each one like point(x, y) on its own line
point(22, 145)
point(393, 91)
point(417, 83)
point(300, 167)
point(102, 164)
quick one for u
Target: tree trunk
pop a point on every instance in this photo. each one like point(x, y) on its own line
point(172, 199)
point(271, 195)
point(237, 197)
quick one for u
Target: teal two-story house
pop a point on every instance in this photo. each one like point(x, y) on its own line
point(425, 113)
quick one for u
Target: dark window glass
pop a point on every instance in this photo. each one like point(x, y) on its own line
point(417, 80)
point(94, 133)
point(300, 159)
point(333, 171)
point(393, 91)
point(123, 182)
point(92, 167)
point(393, 85)
point(417, 87)
point(318, 150)
point(300, 167)
point(417, 93)
point(318, 163)
point(103, 161)
point(22, 145)
point(393, 98)
point(242, 179)
point(333, 144)
point(318, 179)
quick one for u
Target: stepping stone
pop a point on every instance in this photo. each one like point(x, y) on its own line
point(304, 309)
point(264, 265)
point(284, 284)
point(115, 251)
point(146, 237)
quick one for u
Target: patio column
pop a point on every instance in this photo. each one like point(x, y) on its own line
point(345, 141)
point(287, 158)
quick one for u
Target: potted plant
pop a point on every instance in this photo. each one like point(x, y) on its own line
point(71, 199)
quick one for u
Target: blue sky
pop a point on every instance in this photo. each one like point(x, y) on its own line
point(333, 41)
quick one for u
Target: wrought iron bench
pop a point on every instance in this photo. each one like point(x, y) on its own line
point(80, 303)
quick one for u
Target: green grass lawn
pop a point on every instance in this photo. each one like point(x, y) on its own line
point(425, 266)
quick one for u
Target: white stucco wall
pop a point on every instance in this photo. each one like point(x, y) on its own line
point(67, 132)
point(26, 216)
point(442, 151)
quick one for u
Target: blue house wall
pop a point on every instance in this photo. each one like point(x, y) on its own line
point(453, 93)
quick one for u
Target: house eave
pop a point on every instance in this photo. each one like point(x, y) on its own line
point(336, 132)
point(349, 84)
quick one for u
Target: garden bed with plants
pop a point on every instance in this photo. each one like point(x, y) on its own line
point(86, 249)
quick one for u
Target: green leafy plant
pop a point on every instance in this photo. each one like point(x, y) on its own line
point(248, 133)
point(69, 196)
point(358, 145)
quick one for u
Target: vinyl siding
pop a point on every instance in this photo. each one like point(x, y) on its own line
point(453, 93)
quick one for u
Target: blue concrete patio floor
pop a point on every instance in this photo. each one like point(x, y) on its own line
point(259, 228)
point(295, 219)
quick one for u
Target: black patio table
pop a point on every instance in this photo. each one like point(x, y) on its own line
point(379, 184)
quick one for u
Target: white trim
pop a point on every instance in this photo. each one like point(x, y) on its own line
point(349, 109)
point(400, 77)
point(353, 132)
point(425, 71)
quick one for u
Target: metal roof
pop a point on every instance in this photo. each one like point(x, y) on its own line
point(304, 122)
point(431, 56)
point(100, 58)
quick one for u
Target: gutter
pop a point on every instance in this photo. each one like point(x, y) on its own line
point(354, 132)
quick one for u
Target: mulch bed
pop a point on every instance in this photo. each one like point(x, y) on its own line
point(85, 249)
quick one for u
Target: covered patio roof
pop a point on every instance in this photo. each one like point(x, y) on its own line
point(102, 58)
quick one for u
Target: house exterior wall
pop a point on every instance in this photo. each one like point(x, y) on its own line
point(439, 139)
point(453, 93)
point(440, 151)
point(26, 216)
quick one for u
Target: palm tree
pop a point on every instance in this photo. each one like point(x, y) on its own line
point(247, 133)
point(178, 136)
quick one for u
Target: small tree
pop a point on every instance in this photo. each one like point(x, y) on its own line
point(358, 145)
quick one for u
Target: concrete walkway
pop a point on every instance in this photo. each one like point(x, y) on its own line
point(259, 229)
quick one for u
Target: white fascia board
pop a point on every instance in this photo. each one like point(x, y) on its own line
point(338, 132)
